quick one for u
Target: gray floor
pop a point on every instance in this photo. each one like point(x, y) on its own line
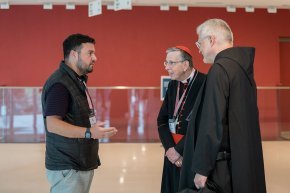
point(126, 168)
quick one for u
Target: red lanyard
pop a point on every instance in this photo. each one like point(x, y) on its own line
point(88, 97)
point(178, 101)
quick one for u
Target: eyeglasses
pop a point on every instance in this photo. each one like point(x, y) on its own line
point(171, 63)
point(198, 43)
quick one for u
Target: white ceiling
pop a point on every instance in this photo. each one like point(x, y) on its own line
point(284, 4)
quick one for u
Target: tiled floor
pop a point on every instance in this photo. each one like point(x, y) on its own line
point(126, 168)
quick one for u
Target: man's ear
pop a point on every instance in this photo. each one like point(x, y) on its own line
point(73, 56)
point(186, 65)
point(212, 40)
point(73, 53)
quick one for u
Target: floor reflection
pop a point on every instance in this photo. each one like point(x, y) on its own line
point(126, 168)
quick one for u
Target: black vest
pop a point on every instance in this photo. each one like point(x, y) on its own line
point(70, 153)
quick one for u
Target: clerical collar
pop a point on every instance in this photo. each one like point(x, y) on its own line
point(190, 77)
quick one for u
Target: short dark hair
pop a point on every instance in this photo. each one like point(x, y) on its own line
point(74, 42)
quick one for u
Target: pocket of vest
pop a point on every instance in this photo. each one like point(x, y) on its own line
point(89, 154)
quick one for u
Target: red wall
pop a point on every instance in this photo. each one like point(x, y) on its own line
point(130, 45)
point(284, 63)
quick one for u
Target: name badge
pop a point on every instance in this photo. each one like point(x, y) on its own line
point(172, 125)
point(92, 118)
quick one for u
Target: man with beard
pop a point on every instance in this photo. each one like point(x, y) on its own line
point(72, 131)
point(223, 150)
point(178, 102)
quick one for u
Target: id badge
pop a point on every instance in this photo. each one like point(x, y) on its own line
point(92, 118)
point(172, 125)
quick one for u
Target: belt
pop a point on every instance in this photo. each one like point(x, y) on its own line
point(223, 156)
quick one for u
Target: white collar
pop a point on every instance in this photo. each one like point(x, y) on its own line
point(189, 77)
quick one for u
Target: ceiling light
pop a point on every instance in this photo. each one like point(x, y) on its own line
point(182, 7)
point(272, 9)
point(70, 6)
point(250, 9)
point(231, 8)
point(4, 5)
point(47, 6)
point(164, 7)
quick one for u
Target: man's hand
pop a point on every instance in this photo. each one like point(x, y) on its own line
point(172, 155)
point(98, 131)
point(199, 181)
point(178, 163)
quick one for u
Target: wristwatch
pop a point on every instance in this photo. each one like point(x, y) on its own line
point(88, 133)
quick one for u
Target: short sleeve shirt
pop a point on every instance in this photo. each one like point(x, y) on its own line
point(57, 101)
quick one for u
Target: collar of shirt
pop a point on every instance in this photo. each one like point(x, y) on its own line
point(83, 78)
point(187, 80)
point(72, 73)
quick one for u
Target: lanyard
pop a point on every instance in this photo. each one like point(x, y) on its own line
point(88, 97)
point(92, 116)
point(179, 101)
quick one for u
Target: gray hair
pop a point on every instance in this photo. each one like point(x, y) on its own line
point(216, 27)
point(184, 55)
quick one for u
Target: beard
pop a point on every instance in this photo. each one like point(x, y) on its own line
point(90, 68)
point(84, 70)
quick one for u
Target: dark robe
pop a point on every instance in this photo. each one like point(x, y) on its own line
point(170, 177)
point(226, 118)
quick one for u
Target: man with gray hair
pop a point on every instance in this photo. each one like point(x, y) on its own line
point(178, 102)
point(223, 151)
